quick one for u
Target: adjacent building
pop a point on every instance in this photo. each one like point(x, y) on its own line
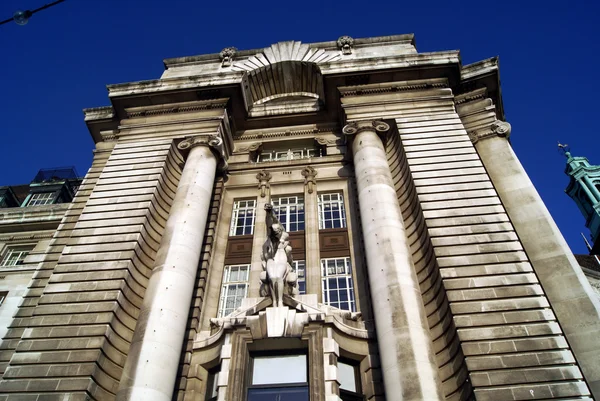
point(425, 265)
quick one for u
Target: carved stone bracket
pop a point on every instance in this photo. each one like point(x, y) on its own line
point(345, 44)
point(227, 56)
point(498, 128)
point(263, 178)
point(214, 142)
point(356, 127)
point(310, 180)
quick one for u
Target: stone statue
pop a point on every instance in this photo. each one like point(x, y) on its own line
point(276, 257)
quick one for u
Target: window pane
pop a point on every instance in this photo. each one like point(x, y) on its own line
point(347, 376)
point(331, 211)
point(279, 369)
point(15, 255)
point(45, 198)
point(278, 394)
point(337, 284)
point(242, 219)
point(234, 290)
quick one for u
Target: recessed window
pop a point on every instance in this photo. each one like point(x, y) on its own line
point(337, 283)
point(3, 296)
point(299, 266)
point(288, 154)
point(290, 212)
point(331, 211)
point(15, 255)
point(242, 220)
point(41, 198)
point(349, 378)
point(212, 389)
point(235, 288)
point(279, 378)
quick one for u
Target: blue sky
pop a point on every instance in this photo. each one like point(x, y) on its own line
point(62, 60)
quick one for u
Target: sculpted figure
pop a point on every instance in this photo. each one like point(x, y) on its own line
point(276, 257)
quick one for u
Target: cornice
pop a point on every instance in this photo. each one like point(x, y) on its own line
point(477, 94)
point(173, 108)
point(32, 218)
point(478, 69)
point(389, 87)
point(378, 41)
point(98, 113)
point(26, 236)
point(341, 66)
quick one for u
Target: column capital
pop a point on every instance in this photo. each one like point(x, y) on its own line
point(497, 128)
point(356, 127)
point(214, 142)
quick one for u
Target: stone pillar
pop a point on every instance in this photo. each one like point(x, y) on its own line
point(150, 370)
point(565, 285)
point(405, 347)
point(312, 273)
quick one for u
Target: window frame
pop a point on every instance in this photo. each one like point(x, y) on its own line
point(301, 279)
point(226, 284)
point(49, 198)
point(291, 153)
point(8, 250)
point(282, 353)
point(286, 221)
point(347, 395)
point(348, 276)
point(237, 208)
point(339, 202)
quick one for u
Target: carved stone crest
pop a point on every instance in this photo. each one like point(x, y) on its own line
point(227, 56)
point(310, 180)
point(345, 44)
point(277, 277)
point(263, 178)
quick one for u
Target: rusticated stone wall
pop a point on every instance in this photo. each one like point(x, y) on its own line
point(81, 326)
point(449, 357)
point(514, 348)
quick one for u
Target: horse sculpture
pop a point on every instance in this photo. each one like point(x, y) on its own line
point(278, 277)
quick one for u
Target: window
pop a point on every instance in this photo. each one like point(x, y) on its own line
point(300, 268)
point(242, 221)
point(235, 288)
point(349, 377)
point(288, 154)
point(337, 285)
point(15, 255)
point(41, 198)
point(279, 378)
point(331, 211)
point(3, 296)
point(290, 212)
point(212, 381)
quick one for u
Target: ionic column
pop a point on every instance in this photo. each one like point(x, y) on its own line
point(405, 347)
point(151, 367)
point(569, 292)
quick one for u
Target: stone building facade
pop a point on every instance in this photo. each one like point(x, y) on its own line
point(427, 266)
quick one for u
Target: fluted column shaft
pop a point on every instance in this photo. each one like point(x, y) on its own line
point(405, 347)
point(151, 367)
